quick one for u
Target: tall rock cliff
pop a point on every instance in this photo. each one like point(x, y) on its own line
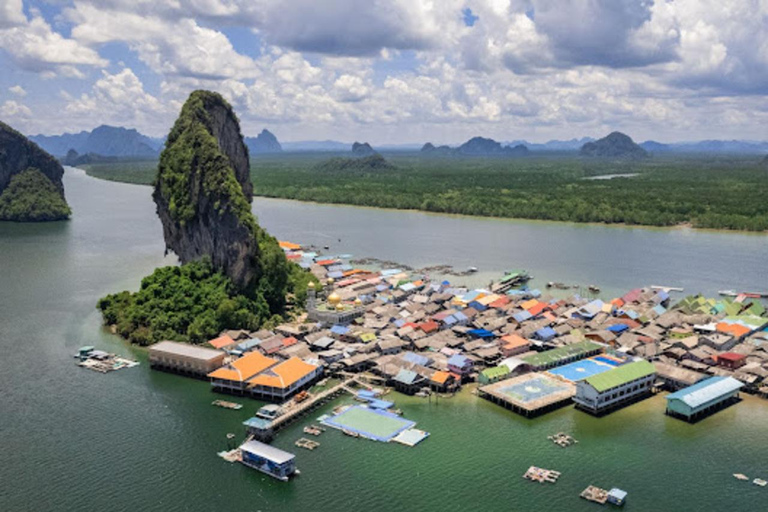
point(17, 153)
point(203, 195)
point(265, 142)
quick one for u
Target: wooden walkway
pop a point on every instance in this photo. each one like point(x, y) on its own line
point(310, 403)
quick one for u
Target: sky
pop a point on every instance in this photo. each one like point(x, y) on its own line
point(395, 71)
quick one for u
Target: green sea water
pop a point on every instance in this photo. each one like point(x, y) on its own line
point(75, 440)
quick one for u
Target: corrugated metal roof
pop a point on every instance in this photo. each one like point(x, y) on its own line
point(706, 391)
point(266, 451)
point(620, 375)
point(560, 353)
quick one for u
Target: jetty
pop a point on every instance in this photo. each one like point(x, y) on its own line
point(227, 405)
point(541, 475)
point(264, 429)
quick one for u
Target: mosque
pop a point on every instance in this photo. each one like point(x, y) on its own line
point(333, 311)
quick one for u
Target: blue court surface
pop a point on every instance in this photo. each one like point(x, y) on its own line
point(608, 360)
point(534, 388)
point(373, 424)
point(580, 370)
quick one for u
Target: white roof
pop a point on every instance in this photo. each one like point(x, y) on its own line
point(186, 350)
point(706, 391)
point(266, 451)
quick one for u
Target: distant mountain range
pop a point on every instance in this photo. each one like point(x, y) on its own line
point(614, 145)
point(104, 140)
point(708, 146)
point(476, 146)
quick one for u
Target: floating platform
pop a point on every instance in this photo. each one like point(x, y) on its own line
point(531, 394)
point(375, 424)
point(595, 494)
point(563, 440)
point(410, 437)
point(107, 363)
point(307, 444)
point(313, 430)
point(227, 405)
point(536, 474)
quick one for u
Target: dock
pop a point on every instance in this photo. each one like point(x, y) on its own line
point(264, 430)
point(531, 394)
point(536, 474)
point(595, 494)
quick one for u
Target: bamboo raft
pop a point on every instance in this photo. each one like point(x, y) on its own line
point(307, 444)
point(540, 475)
point(562, 439)
point(595, 494)
point(313, 430)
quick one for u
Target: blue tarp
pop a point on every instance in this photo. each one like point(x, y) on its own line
point(340, 330)
point(481, 333)
point(617, 328)
point(380, 404)
point(545, 334)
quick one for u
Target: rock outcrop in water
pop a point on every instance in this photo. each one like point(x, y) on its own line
point(203, 195)
point(614, 145)
point(18, 154)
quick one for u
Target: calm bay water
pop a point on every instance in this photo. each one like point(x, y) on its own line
point(71, 439)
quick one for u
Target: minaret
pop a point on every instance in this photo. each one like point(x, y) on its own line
point(311, 297)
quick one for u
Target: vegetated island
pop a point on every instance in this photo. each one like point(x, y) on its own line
point(671, 189)
point(31, 189)
point(233, 274)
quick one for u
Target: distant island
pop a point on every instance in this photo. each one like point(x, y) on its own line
point(234, 275)
point(362, 149)
point(372, 163)
point(31, 188)
point(264, 143)
point(476, 147)
point(614, 145)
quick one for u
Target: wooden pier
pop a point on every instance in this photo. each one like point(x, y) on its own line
point(266, 432)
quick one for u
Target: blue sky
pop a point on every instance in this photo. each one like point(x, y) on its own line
point(393, 71)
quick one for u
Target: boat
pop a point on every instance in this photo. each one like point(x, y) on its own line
point(594, 289)
point(727, 293)
point(760, 482)
point(227, 405)
point(230, 436)
point(472, 270)
point(740, 476)
point(350, 433)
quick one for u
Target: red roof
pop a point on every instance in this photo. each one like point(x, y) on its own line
point(429, 327)
point(731, 356)
point(325, 263)
point(538, 308)
point(500, 302)
point(287, 342)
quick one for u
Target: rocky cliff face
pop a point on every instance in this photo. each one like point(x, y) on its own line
point(203, 191)
point(614, 145)
point(17, 153)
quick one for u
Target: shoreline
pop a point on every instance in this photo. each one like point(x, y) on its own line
point(686, 226)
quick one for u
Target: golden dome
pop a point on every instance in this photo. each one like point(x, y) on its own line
point(339, 307)
point(358, 302)
point(334, 299)
point(311, 285)
point(330, 280)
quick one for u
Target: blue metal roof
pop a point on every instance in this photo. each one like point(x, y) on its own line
point(618, 328)
point(339, 329)
point(458, 360)
point(546, 333)
point(415, 358)
point(481, 333)
point(406, 376)
point(521, 316)
point(706, 391)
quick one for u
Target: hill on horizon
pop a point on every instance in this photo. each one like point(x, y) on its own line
point(614, 145)
point(104, 140)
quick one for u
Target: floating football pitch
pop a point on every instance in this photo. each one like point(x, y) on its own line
point(370, 423)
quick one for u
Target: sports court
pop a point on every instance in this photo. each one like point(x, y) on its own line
point(580, 370)
point(373, 424)
point(530, 394)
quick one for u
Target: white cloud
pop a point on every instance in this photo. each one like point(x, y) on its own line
point(13, 110)
point(18, 90)
point(11, 13)
point(34, 46)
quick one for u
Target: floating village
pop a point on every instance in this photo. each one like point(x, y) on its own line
point(367, 332)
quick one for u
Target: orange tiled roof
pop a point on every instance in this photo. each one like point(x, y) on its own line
point(221, 342)
point(244, 368)
point(735, 330)
point(440, 377)
point(289, 245)
point(514, 341)
point(283, 374)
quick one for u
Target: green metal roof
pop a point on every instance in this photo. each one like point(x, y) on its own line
point(560, 353)
point(496, 371)
point(620, 375)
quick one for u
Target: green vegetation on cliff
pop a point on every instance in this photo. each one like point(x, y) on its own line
point(234, 275)
point(31, 197)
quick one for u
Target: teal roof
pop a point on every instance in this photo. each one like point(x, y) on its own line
point(706, 391)
point(620, 375)
point(496, 371)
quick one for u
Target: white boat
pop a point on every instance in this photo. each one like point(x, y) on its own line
point(760, 482)
point(740, 476)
